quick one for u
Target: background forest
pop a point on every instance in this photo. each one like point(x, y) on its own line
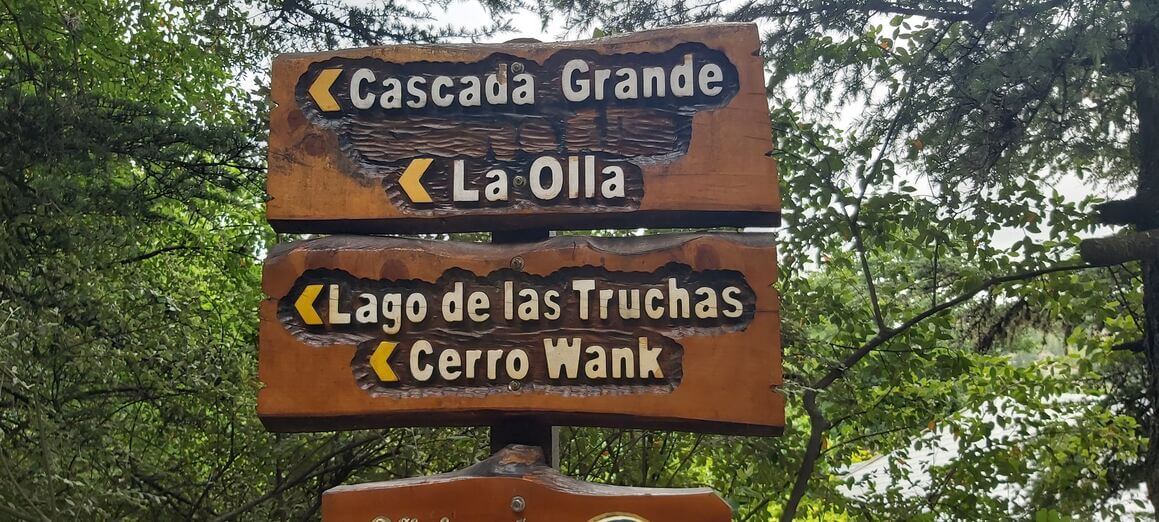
point(940, 162)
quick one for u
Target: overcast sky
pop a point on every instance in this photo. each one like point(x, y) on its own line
point(526, 24)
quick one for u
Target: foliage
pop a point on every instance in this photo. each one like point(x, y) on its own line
point(130, 242)
point(127, 242)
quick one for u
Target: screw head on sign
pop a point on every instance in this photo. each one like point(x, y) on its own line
point(514, 386)
point(516, 67)
point(517, 263)
point(519, 181)
point(517, 503)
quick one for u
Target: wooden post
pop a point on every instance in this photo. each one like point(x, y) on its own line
point(527, 431)
point(519, 236)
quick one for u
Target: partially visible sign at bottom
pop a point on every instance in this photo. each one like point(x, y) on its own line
point(515, 485)
point(617, 517)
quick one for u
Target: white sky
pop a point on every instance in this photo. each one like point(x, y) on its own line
point(526, 24)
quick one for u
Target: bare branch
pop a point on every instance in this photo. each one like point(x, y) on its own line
point(887, 335)
point(1107, 251)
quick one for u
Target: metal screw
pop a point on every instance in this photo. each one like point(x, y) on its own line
point(381, 519)
point(520, 181)
point(517, 503)
point(516, 67)
point(517, 263)
point(515, 386)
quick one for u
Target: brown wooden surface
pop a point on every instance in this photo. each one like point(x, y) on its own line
point(718, 376)
point(484, 493)
point(332, 172)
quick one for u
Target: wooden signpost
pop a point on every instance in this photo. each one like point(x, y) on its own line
point(665, 128)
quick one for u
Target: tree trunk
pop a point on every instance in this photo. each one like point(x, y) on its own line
point(1151, 351)
point(817, 426)
point(1145, 57)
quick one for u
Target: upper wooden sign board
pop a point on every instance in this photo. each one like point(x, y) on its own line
point(664, 128)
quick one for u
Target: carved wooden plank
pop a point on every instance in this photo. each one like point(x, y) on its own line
point(664, 128)
point(674, 331)
point(514, 485)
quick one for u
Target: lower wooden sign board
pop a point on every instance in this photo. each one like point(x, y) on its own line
point(678, 331)
point(515, 485)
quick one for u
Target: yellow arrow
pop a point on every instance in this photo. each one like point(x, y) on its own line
point(410, 180)
point(320, 90)
point(380, 361)
point(305, 304)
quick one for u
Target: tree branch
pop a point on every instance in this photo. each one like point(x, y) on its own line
point(1121, 212)
point(817, 421)
point(837, 371)
point(817, 427)
point(1131, 346)
point(149, 255)
point(1107, 251)
point(863, 257)
point(302, 477)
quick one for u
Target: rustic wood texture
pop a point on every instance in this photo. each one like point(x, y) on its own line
point(330, 173)
point(729, 370)
point(485, 493)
